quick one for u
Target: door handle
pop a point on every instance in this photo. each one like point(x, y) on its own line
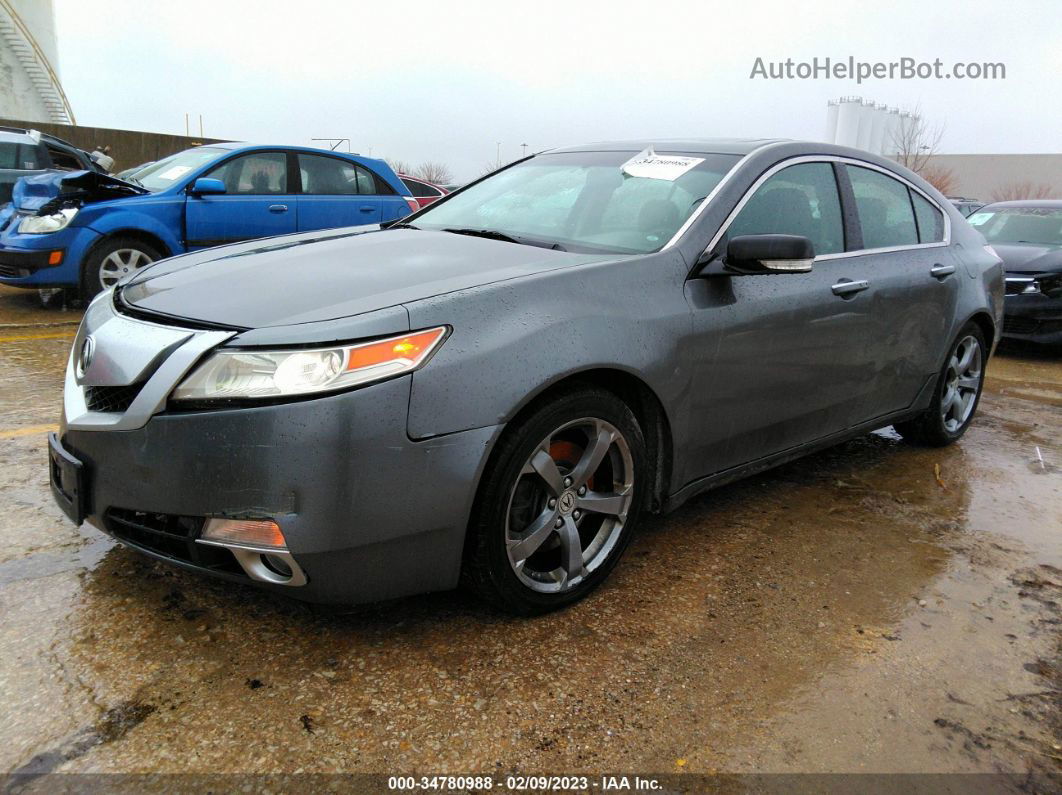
point(941, 271)
point(278, 208)
point(847, 287)
point(367, 209)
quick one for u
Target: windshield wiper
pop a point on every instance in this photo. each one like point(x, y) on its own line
point(397, 225)
point(492, 234)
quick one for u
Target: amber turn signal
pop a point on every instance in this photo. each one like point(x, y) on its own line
point(246, 532)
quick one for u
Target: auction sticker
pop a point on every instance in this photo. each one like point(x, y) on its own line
point(649, 165)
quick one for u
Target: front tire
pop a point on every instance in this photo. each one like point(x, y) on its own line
point(558, 503)
point(956, 395)
point(112, 260)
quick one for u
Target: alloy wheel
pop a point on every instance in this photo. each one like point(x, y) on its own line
point(569, 505)
point(120, 263)
point(962, 383)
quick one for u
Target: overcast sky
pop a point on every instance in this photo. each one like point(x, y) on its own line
point(447, 81)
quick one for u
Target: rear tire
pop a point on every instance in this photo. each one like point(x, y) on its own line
point(956, 394)
point(557, 504)
point(111, 260)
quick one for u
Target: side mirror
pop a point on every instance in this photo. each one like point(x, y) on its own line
point(763, 254)
point(207, 186)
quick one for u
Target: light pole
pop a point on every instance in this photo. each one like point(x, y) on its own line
point(525, 150)
point(497, 158)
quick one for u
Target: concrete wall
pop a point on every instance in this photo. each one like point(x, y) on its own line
point(128, 147)
point(982, 176)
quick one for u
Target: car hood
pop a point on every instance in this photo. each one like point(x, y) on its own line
point(38, 192)
point(325, 276)
point(1029, 257)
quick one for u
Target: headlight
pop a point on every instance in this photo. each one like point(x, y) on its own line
point(44, 224)
point(264, 374)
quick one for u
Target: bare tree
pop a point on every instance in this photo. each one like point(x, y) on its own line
point(943, 179)
point(914, 141)
point(1022, 190)
point(434, 172)
point(493, 165)
point(399, 166)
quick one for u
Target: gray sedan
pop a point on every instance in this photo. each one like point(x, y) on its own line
point(494, 390)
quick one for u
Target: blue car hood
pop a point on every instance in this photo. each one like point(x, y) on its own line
point(31, 194)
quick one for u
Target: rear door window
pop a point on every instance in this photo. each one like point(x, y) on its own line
point(331, 176)
point(884, 206)
point(19, 156)
point(798, 200)
point(421, 190)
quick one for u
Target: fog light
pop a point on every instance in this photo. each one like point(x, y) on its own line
point(247, 532)
point(55, 257)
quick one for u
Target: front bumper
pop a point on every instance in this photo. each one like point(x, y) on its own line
point(24, 259)
point(368, 513)
point(1033, 318)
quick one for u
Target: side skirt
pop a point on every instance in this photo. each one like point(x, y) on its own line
point(785, 456)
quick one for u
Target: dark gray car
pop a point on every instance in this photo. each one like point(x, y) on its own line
point(25, 153)
point(495, 389)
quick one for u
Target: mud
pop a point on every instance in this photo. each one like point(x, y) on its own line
point(873, 608)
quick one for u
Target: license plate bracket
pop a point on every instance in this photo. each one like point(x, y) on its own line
point(66, 475)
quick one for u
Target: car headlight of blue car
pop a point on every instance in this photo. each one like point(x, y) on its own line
point(46, 224)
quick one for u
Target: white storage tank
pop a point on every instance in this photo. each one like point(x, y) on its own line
point(29, 56)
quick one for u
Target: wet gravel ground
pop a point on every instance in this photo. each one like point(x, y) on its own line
point(873, 608)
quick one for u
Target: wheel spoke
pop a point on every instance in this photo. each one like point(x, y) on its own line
point(537, 533)
point(970, 381)
point(966, 358)
point(592, 456)
point(600, 502)
point(572, 549)
point(546, 468)
point(956, 404)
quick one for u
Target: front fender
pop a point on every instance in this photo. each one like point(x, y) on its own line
point(513, 339)
point(162, 218)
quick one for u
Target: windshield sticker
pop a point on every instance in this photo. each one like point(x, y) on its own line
point(175, 173)
point(649, 165)
point(978, 218)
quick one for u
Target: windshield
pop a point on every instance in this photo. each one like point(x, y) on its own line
point(586, 201)
point(1039, 225)
point(161, 175)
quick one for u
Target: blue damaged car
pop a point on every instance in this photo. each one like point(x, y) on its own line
point(86, 231)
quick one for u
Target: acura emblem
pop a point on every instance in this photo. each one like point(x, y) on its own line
point(84, 359)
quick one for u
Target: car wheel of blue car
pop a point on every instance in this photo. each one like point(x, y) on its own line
point(557, 504)
point(111, 261)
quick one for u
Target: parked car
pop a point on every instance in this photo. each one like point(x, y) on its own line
point(128, 172)
point(966, 206)
point(424, 192)
point(88, 231)
point(496, 388)
point(1028, 236)
point(28, 152)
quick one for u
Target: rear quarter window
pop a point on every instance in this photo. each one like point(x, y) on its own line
point(930, 220)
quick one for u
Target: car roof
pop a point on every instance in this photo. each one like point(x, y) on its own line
point(15, 134)
point(721, 146)
point(1053, 204)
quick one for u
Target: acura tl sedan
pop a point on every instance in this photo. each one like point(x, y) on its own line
point(492, 391)
point(1027, 235)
